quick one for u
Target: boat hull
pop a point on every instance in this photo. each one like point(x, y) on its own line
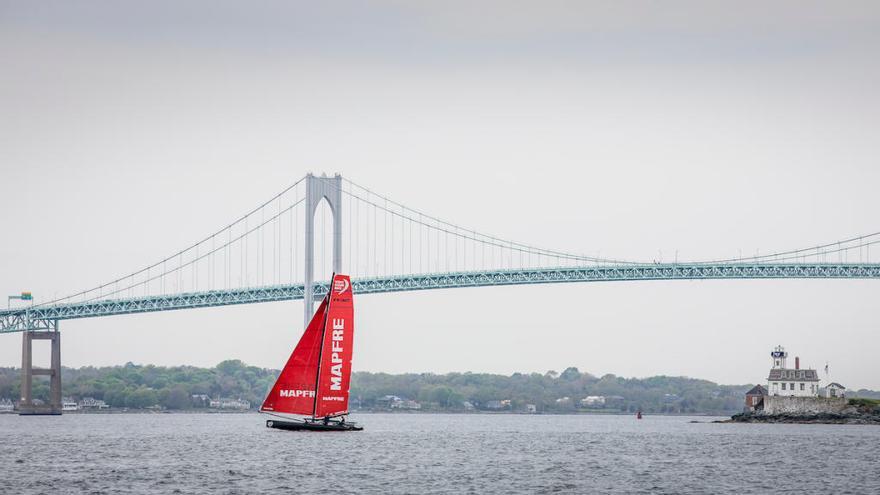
point(311, 426)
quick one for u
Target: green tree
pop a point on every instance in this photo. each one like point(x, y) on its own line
point(141, 398)
point(177, 398)
point(570, 374)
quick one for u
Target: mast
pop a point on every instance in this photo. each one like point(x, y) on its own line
point(321, 350)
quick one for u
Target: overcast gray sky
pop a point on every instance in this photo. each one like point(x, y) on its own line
point(128, 130)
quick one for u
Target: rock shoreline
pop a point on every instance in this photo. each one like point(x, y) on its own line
point(847, 418)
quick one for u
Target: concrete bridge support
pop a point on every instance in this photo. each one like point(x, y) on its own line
point(27, 406)
point(317, 189)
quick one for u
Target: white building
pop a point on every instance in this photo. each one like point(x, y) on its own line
point(834, 390)
point(406, 404)
point(92, 403)
point(228, 403)
point(791, 382)
point(69, 405)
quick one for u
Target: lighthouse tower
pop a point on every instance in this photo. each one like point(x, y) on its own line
point(778, 356)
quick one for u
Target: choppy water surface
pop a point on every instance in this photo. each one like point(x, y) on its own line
point(224, 453)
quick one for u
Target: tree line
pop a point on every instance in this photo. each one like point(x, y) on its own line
point(552, 392)
point(141, 386)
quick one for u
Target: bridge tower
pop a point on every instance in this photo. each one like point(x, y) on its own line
point(317, 189)
point(27, 406)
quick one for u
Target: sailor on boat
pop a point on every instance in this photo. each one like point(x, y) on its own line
point(316, 379)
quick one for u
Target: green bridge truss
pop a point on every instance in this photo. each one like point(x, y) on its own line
point(43, 317)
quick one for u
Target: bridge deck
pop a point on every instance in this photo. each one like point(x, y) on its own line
point(39, 317)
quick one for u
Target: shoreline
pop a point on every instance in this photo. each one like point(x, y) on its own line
point(804, 419)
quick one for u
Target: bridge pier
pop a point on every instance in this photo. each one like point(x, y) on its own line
point(27, 407)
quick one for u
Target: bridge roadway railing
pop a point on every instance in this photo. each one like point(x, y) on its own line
point(42, 317)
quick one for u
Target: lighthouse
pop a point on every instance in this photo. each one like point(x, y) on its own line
point(794, 382)
point(778, 355)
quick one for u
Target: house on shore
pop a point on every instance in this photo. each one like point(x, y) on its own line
point(93, 404)
point(229, 403)
point(755, 398)
point(834, 390)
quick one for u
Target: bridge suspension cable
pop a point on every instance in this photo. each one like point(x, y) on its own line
point(530, 256)
point(813, 252)
point(432, 222)
point(231, 241)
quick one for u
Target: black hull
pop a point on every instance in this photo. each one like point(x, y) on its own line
point(311, 425)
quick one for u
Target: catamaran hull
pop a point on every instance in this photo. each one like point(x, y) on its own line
point(310, 426)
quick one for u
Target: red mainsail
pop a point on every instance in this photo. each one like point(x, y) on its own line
point(334, 376)
point(317, 376)
point(294, 391)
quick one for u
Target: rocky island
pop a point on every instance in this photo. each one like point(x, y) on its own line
point(794, 395)
point(851, 411)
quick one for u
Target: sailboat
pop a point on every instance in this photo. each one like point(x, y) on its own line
point(315, 381)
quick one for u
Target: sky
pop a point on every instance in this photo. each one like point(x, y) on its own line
point(128, 130)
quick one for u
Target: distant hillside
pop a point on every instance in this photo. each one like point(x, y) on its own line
point(554, 392)
point(864, 394)
point(137, 386)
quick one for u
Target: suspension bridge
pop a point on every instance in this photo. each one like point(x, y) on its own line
point(269, 254)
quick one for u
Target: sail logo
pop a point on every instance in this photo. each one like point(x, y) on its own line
point(296, 393)
point(336, 351)
point(340, 286)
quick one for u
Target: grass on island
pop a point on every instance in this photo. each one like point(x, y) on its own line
point(860, 402)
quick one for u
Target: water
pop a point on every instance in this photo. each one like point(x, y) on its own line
point(427, 453)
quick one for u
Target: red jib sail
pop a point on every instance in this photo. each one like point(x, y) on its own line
point(294, 391)
point(334, 375)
